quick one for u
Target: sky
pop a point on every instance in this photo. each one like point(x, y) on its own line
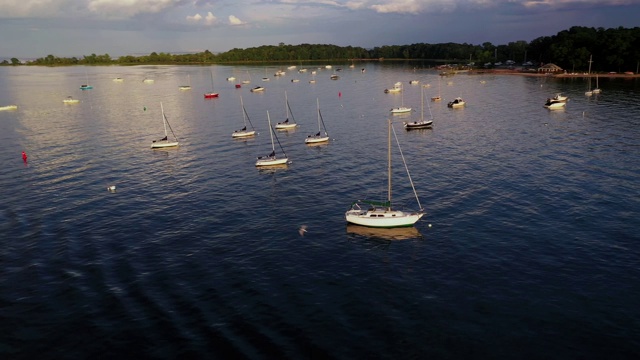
point(66, 28)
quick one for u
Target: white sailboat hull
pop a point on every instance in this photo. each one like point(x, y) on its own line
point(400, 110)
point(382, 218)
point(270, 161)
point(316, 139)
point(286, 126)
point(240, 134)
point(163, 144)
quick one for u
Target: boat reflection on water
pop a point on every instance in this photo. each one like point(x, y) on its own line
point(271, 169)
point(390, 234)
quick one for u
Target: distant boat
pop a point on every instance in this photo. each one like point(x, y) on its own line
point(148, 81)
point(118, 79)
point(597, 89)
point(248, 79)
point(437, 97)
point(70, 100)
point(165, 142)
point(8, 107)
point(334, 77)
point(257, 89)
point(188, 86)
point(560, 97)
point(86, 86)
point(212, 94)
point(397, 87)
point(422, 124)
point(401, 109)
point(243, 133)
point(231, 78)
point(272, 158)
point(555, 104)
point(286, 124)
point(456, 103)
point(319, 137)
point(382, 214)
point(589, 92)
point(414, 82)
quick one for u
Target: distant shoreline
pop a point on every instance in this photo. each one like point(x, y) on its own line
point(538, 74)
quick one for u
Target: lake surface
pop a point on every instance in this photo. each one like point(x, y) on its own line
point(529, 249)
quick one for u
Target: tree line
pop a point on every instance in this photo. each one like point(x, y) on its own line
point(613, 49)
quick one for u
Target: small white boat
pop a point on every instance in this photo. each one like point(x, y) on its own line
point(318, 137)
point(554, 104)
point(397, 87)
point(287, 125)
point(279, 73)
point(422, 124)
point(243, 133)
point(257, 89)
point(272, 159)
point(231, 78)
point(335, 77)
point(382, 214)
point(560, 97)
point(148, 81)
point(188, 86)
point(118, 79)
point(456, 103)
point(400, 109)
point(414, 82)
point(70, 100)
point(295, 80)
point(165, 142)
point(8, 107)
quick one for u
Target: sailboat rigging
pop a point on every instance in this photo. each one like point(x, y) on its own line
point(589, 92)
point(212, 94)
point(286, 124)
point(437, 97)
point(422, 124)
point(165, 142)
point(401, 109)
point(382, 214)
point(318, 137)
point(186, 87)
point(244, 132)
point(272, 159)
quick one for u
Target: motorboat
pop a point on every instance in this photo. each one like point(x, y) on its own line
point(554, 104)
point(457, 102)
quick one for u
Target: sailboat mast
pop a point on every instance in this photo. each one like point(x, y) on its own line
point(286, 105)
point(318, 107)
point(164, 121)
point(421, 103)
point(273, 147)
point(389, 165)
point(244, 112)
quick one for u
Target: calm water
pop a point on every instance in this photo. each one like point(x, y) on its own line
point(529, 249)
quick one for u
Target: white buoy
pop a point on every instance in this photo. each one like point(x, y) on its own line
point(429, 225)
point(111, 188)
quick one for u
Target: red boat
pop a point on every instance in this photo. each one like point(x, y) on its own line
point(238, 86)
point(211, 95)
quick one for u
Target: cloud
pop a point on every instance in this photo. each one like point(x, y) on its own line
point(399, 6)
point(235, 21)
point(128, 8)
point(209, 20)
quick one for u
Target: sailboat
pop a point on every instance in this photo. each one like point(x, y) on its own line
point(597, 89)
point(242, 133)
point(589, 92)
point(86, 86)
point(422, 124)
point(70, 100)
point(285, 125)
point(248, 80)
point(165, 142)
point(272, 159)
point(382, 214)
point(401, 109)
point(212, 94)
point(318, 137)
point(186, 87)
point(437, 97)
